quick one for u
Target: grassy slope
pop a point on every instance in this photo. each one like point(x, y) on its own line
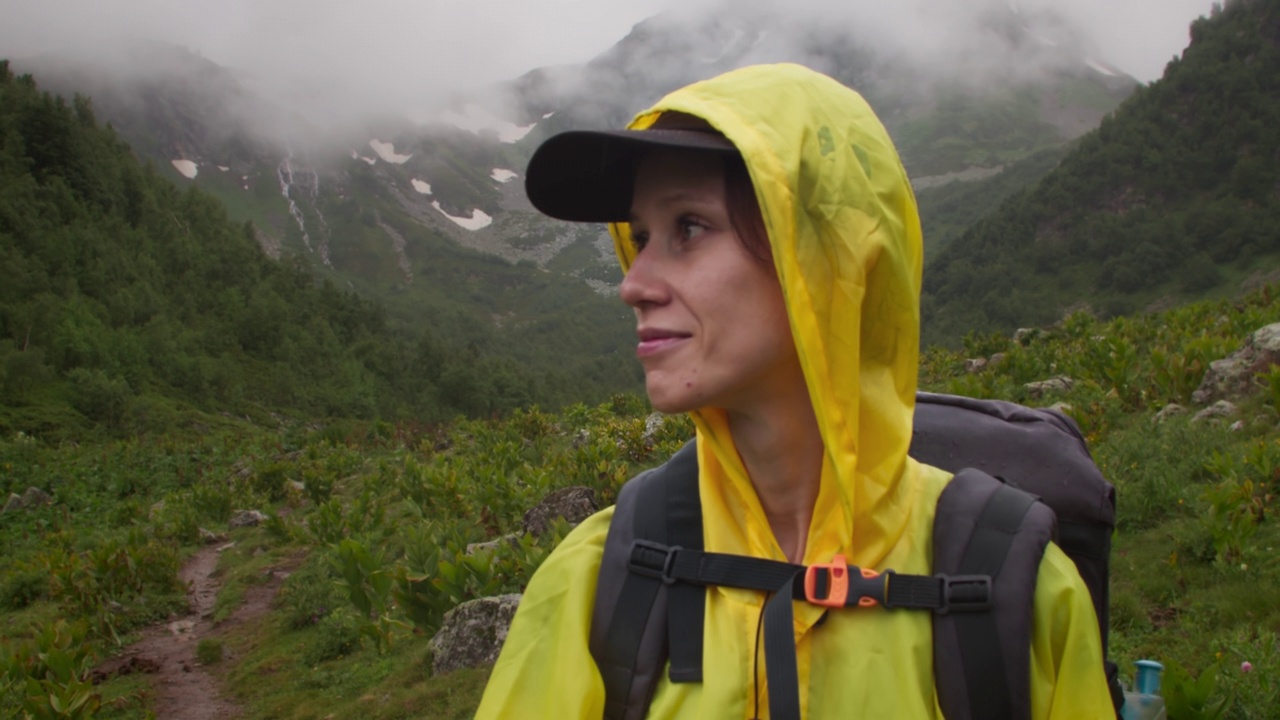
point(1193, 567)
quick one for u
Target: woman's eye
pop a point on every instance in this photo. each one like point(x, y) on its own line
point(639, 240)
point(689, 229)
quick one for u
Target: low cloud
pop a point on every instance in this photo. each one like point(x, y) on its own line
point(404, 55)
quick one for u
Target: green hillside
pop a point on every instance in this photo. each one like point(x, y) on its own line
point(1175, 196)
point(129, 304)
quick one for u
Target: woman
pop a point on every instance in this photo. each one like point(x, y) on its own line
point(772, 253)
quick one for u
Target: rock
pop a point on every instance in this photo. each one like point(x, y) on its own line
point(652, 425)
point(247, 518)
point(1220, 409)
point(1167, 412)
point(35, 497)
point(14, 503)
point(1062, 383)
point(581, 438)
point(574, 504)
point(1233, 376)
point(472, 634)
point(512, 539)
point(1237, 426)
point(973, 365)
point(997, 359)
point(297, 486)
point(1061, 407)
point(226, 547)
point(208, 537)
point(156, 509)
point(1022, 336)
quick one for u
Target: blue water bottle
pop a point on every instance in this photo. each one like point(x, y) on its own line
point(1144, 701)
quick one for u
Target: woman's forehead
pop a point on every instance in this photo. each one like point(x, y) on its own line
point(679, 167)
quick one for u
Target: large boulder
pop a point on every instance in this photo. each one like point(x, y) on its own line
point(574, 504)
point(1233, 375)
point(472, 634)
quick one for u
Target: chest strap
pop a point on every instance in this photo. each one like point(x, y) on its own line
point(833, 585)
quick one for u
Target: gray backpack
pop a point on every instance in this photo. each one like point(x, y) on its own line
point(1023, 477)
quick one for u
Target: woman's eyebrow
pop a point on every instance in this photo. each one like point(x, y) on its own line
point(680, 196)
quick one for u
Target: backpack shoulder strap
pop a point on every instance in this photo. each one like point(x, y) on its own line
point(631, 638)
point(981, 660)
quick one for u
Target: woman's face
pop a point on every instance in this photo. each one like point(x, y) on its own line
point(710, 317)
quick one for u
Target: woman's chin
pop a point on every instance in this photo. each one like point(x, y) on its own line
point(668, 400)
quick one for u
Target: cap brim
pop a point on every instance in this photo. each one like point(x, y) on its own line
point(589, 175)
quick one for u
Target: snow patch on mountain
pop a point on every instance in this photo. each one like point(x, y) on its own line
point(420, 186)
point(387, 151)
point(476, 119)
point(547, 116)
point(1100, 67)
point(503, 176)
point(369, 160)
point(479, 218)
point(186, 167)
point(223, 168)
point(1047, 42)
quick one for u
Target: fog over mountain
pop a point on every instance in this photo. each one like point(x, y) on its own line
point(335, 60)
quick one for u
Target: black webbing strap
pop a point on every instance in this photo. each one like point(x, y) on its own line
point(780, 655)
point(631, 617)
point(686, 603)
point(978, 633)
point(686, 569)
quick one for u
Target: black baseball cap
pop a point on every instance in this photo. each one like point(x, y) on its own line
point(589, 175)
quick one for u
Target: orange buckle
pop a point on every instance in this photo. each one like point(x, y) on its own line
point(838, 584)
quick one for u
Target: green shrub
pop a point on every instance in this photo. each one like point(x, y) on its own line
point(24, 586)
point(336, 636)
point(209, 651)
point(308, 596)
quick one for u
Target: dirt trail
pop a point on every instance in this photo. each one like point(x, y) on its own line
point(183, 689)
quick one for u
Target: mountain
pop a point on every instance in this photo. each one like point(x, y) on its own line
point(1175, 196)
point(1019, 83)
point(425, 212)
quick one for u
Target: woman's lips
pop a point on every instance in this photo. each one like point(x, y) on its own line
point(656, 341)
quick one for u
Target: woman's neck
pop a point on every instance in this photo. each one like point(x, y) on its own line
point(782, 451)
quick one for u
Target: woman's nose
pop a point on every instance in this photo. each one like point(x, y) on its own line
point(642, 285)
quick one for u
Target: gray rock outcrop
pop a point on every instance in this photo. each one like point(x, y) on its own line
point(574, 504)
point(472, 634)
point(1233, 375)
point(1062, 383)
point(247, 518)
point(34, 497)
point(1216, 411)
point(1167, 412)
point(652, 425)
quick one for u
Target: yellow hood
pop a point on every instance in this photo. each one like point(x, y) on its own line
point(846, 242)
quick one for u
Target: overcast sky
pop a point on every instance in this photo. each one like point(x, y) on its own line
point(419, 49)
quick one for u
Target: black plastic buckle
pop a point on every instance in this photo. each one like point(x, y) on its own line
point(644, 551)
point(965, 593)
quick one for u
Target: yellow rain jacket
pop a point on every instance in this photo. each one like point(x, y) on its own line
point(846, 242)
